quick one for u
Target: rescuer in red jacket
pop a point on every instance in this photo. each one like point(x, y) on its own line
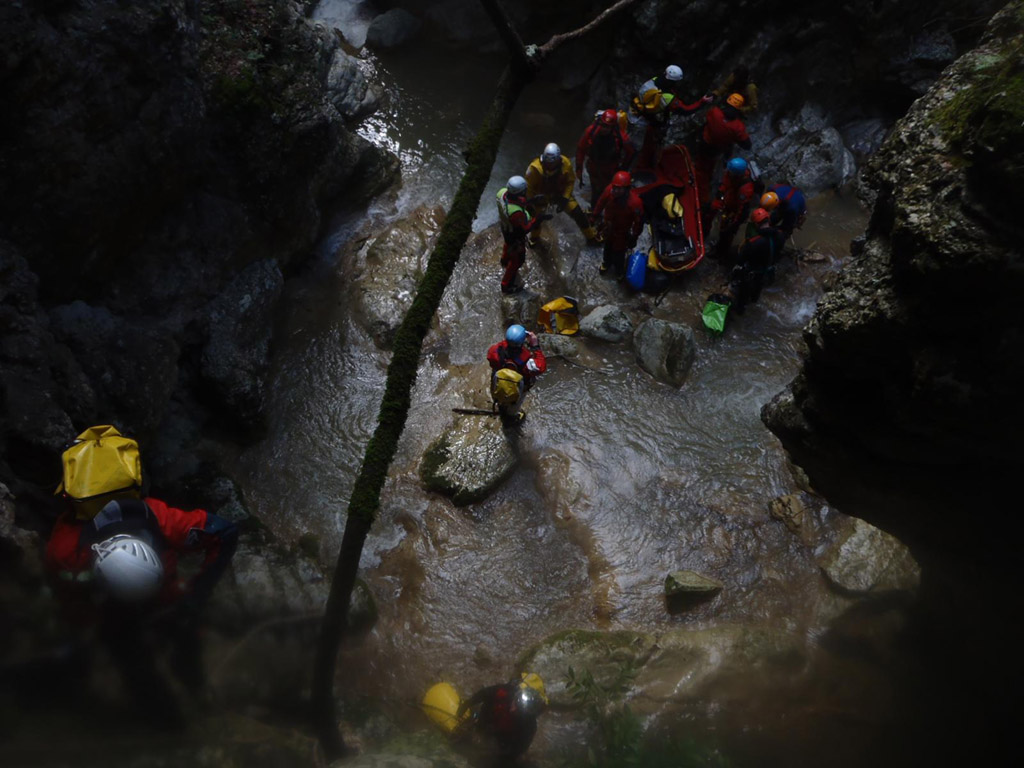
point(119, 572)
point(520, 351)
point(735, 194)
point(621, 212)
point(603, 148)
point(723, 128)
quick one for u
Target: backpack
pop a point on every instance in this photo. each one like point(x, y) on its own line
point(562, 315)
point(605, 147)
point(506, 386)
point(99, 464)
point(648, 104)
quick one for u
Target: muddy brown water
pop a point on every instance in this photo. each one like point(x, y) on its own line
point(622, 478)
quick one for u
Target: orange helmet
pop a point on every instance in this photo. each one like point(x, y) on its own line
point(609, 117)
point(759, 216)
point(622, 179)
point(735, 100)
point(769, 200)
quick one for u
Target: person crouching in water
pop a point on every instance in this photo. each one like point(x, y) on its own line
point(756, 261)
point(516, 363)
point(622, 213)
point(550, 181)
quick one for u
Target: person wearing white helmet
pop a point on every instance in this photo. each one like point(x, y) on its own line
point(549, 183)
point(516, 223)
point(655, 103)
point(116, 568)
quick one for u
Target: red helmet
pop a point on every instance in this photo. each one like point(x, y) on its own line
point(609, 117)
point(760, 215)
point(622, 179)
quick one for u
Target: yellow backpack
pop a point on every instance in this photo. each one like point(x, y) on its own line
point(648, 104)
point(100, 464)
point(506, 386)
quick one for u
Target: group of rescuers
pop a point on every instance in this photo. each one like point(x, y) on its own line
point(617, 215)
point(115, 559)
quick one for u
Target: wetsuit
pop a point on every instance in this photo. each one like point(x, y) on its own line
point(623, 216)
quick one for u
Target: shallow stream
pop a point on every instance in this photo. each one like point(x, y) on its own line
point(622, 478)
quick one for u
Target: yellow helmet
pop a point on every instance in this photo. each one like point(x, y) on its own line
point(534, 681)
point(670, 203)
point(735, 100)
point(769, 201)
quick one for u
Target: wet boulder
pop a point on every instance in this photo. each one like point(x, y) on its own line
point(665, 350)
point(807, 152)
point(470, 460)
point(521, 307)
point(236, 357)
point(607, 323)
point(388, 269)
point(392, 29)
point(866, 560)
point(559, 345)
point(348, 89)
point(684, 589)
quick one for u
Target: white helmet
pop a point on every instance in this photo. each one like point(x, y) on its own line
point(552, 152)
point(673, 73)
point(128, 569)
point(516, 185)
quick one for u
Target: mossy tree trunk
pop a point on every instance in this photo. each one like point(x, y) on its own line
point(401, 376)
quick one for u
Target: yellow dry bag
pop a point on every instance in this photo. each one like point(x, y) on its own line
point(506, 386)
point(100, 463)
point(560, 316)
point(441, 704)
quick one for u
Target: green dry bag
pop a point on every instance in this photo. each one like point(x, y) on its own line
point(715, 311)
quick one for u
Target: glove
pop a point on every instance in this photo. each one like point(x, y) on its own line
point(531, 339)
point(707, 98)
point(531, 366)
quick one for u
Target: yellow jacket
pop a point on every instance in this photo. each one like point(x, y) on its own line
point(554, 186)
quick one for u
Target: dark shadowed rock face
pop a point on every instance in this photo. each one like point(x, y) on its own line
point(149, 152)
point(167, 127)
point(913, 375)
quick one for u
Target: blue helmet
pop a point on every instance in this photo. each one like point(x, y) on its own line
point(737, 166)
point(515, 335)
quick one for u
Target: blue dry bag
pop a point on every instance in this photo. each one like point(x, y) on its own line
point(636, 270)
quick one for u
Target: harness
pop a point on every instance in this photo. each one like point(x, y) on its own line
point(132, 517)
point(505, 211)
